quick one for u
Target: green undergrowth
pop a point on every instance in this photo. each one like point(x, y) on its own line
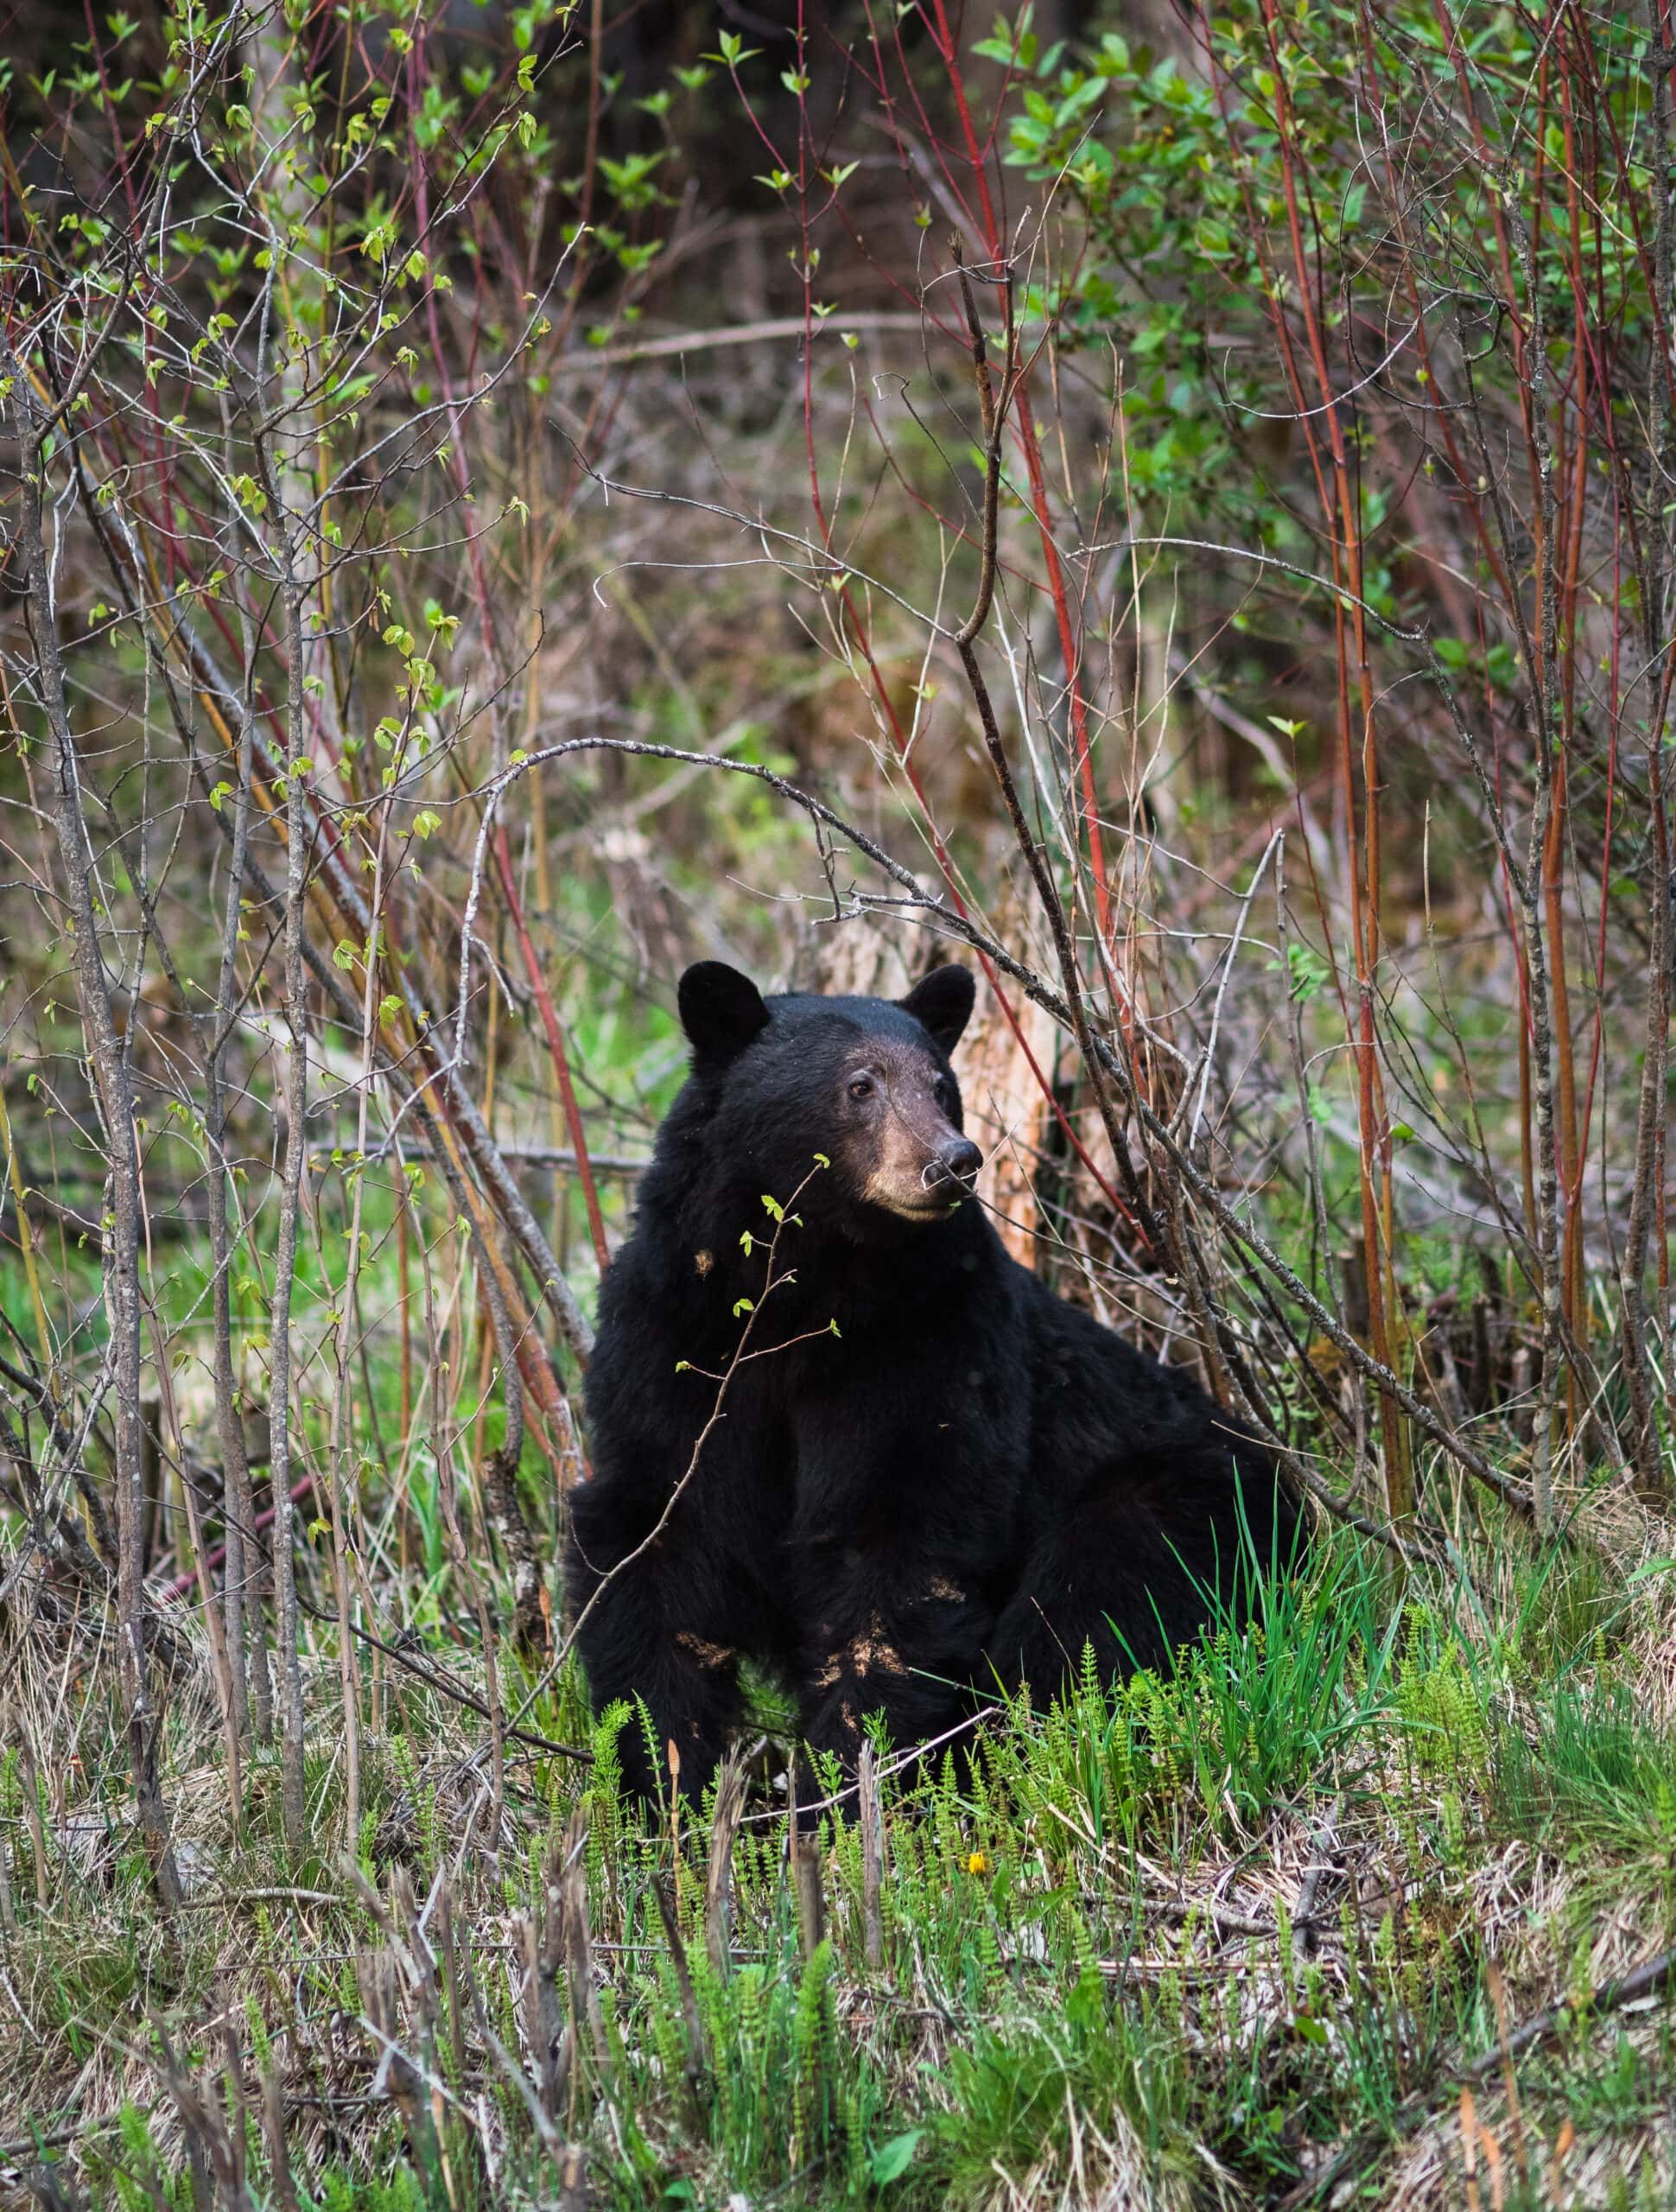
point(1186, 1941)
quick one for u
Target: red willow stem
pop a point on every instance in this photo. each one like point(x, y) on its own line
point(1574, 1134)
point(1339, 510)
point(331, 887)
point(551, 1024)
point(949, 53)
point(1613, 720)
point(859, 632)
point(183, 1585)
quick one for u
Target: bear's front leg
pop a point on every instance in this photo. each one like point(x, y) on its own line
point(662, 1631)
point(909, 1656)
point(908, 1465)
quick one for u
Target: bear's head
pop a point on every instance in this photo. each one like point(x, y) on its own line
point(866, 1083)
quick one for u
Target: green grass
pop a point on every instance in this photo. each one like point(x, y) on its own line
point(1093, 1986)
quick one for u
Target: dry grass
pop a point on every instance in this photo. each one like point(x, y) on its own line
point(1221, 1940)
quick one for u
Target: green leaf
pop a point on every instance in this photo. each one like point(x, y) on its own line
point(893, 2159)
point(1309, 972)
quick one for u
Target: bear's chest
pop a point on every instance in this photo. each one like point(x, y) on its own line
point(899, 1455)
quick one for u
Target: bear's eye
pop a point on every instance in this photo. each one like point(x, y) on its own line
point(861, 1087)
point(944, 1091)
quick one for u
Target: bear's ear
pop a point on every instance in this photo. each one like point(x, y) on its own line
point(943, 1002)
point(721, 1010)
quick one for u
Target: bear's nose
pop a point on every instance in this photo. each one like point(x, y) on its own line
point(960, 1160)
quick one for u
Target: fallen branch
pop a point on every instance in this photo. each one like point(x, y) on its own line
point(778, 327)
point(1656, 1979)
point(445, 1686)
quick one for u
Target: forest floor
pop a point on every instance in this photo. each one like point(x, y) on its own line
point(1372, 1903)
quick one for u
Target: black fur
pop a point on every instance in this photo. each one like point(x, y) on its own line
point(968, 1482)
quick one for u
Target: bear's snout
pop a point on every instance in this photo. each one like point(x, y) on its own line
point(957, 1161)
point(923, 1172)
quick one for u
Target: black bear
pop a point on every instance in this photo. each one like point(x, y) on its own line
point(860, 1446)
